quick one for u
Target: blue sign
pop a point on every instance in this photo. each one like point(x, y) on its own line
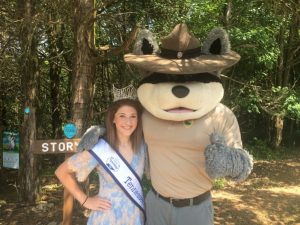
point(27, 110)
point(11, 147)
point(70, 130)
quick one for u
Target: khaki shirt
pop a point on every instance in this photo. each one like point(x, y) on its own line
point(176, 150)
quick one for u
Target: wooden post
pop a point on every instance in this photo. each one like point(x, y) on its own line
point(67, 208)
point(68, 204)
point(68, 147)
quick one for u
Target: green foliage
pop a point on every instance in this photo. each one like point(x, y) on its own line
point(261, 150)
point(259, 31)
point(282, 101)
point(292, 106)
point(146, 183)
point(258, 45)
point(219, 183)
point(251, 103)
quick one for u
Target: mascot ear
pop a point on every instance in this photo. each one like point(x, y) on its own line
point(216, 43)
point(145, 44)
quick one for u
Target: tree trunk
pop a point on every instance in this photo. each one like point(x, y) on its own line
point(83, 79)
point(69, 63)
point(54, 74)
point(28, 173)
point(227, 13)
point(84, 64)
point(278, 130)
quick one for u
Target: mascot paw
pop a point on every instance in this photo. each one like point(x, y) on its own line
point(90, 138)
point(243, 165)
point(215, 157)
point(222, 160)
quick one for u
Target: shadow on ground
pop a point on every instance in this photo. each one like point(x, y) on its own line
point(271, 195)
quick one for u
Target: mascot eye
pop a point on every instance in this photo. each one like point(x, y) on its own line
point(147, 48)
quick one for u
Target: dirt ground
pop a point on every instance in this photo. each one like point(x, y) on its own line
point(271, 195)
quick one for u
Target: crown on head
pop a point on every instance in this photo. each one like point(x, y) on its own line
point(126, 92)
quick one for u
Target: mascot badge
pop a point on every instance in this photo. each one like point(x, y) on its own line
point(192, 138)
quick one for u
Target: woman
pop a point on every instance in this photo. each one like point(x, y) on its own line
point(112, 205)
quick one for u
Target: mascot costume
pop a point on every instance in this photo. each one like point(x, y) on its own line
point(192, 138)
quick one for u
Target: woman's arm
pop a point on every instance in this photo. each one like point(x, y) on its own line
point(67, 178)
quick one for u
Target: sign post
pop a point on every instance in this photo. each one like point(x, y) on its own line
point(59, 146)
point(67, 146)
point(70, 131)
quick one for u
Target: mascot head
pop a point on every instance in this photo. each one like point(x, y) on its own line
point(181, 77)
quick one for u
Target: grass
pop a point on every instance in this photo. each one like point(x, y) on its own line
point(261, 150)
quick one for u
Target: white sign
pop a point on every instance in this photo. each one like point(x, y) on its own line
point(10, 160)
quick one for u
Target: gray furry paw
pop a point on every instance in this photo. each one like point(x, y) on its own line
point(216, 138)
point(222, 160)
point(90, 138)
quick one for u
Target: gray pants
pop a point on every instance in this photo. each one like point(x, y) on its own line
point(160, 212)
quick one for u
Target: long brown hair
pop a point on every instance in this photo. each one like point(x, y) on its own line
point(111, 133)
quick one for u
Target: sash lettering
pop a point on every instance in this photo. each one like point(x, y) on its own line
point(114, 163)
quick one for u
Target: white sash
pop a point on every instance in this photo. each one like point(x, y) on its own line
point(114, 163)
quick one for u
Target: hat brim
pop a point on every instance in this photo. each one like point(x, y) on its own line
point(200, 64)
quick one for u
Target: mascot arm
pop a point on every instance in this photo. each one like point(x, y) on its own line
point(225, 156)
point(223, 161)
point(90, 138)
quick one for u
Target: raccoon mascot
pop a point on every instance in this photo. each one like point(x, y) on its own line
point(192, 138)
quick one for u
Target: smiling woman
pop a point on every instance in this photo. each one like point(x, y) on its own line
point(124, 118)
point(125, 121)
point(119, 158)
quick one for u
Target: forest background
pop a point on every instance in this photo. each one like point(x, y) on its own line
point(60, 59)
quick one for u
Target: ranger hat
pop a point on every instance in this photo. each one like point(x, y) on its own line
point(182, 53)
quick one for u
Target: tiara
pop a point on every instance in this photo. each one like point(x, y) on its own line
point(126, 92)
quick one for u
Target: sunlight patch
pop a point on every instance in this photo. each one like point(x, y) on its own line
point(295, 190)
point(225, 195)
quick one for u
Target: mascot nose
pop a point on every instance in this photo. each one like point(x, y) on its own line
point(180, 91)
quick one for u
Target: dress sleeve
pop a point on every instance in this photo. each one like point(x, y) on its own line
point(82, 164)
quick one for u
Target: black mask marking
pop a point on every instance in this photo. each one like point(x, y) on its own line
point(156, 78)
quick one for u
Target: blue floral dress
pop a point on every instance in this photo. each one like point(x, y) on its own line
point(123, 210)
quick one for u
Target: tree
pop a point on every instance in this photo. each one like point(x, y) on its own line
point(86, 57)
point(265, 34)
point(29, 69)
point(289, 42)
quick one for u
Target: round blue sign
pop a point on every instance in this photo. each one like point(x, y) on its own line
point(70, 130)
point(27, 110)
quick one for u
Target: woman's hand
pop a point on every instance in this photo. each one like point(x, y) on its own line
point(97, 203)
